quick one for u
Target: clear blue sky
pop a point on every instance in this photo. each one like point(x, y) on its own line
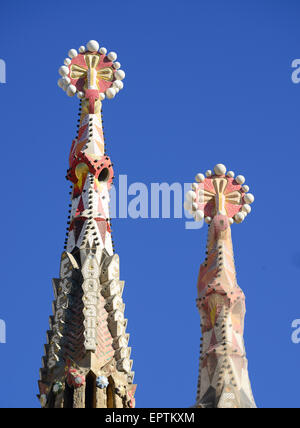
point(207, 82)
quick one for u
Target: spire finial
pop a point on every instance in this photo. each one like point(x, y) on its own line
point(91, 73)
point(220, 192)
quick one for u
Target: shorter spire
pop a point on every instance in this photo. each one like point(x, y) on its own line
point(221, 199)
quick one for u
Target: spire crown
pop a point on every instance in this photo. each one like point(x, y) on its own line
point(219, 193)
point(91, 69)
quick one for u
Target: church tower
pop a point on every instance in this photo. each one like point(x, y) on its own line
point(220, 200)
point(87, 359)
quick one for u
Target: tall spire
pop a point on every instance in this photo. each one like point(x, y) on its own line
point(220, 200)
point(87, 359)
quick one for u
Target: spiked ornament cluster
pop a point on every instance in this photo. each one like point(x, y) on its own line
point(91, 68)
point(219, 192)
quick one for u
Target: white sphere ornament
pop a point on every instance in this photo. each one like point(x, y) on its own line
point(71, 90)
point(66, 80)
point(67, 61)
point(208, 173)
point(194, 186)
point(200, 178)
point(102, 96)
point(117, 65)
point(230, 174)
point(246, 208)
point(220, 169)
point(103, 51)
point(199, 216)
point(78, 380)
point(112, 56)
point(194, 206)
point(60, 82)
point(187, 205)
point(63, 70)
point(110, 93)
point(72, 53)
point(119, 74)
point(245, 188)
point(92, 46)
point(240, 179)
point(249, 198)
point(208, 220)
point(190, 196)
point(239, 217)
point(81, 49)
point(80, 95)
point(118, 84)
point(230, 220)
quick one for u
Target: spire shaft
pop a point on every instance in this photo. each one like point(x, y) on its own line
point(223, 378)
